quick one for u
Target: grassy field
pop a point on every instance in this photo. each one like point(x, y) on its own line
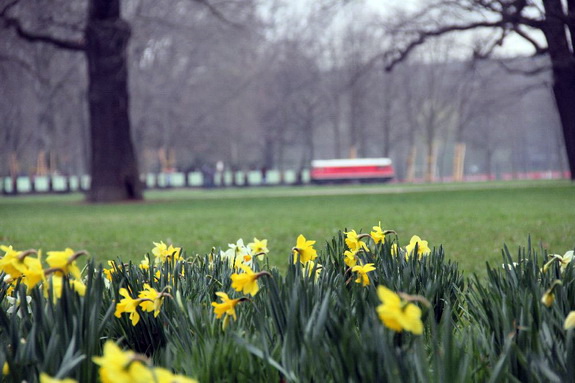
point(471, 221)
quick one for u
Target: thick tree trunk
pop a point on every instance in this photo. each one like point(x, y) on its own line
point(114, 168)
point(564, 91)
point(563, 61)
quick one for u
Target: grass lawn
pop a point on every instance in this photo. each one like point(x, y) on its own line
point(471, 221)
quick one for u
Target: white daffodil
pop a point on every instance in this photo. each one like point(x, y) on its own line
point(237, 254)
point(15, 305)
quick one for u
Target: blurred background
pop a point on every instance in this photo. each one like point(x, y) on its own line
point(274, 84)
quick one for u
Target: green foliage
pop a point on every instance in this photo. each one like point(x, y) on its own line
point(304, 325)
point(55, 335)
point(512, 325)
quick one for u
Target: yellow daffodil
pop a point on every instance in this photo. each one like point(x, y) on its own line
point(350, 258)
point(33, 273)
point(259, 248)
point(549, 297)
point(117, 366)
point(378, 234)
point(5, 369)
point(569, 321)
point(353, 241)
point(151, 300)
point(246, 282)
point(64, 262)
point(305, 250)
point(162, 375)
point(398, 315)
point(128, 305)
point(145, 264)
point(20, 264)
point(57, 283)
point(422, 247)
point(308, 268)
point(394, 249)
point(45, 378)
point(108, 272)
point(163, 253)
point(11, 282)
point(362, 273)
point(78, 286)
point(227, 306)
point(9, 262)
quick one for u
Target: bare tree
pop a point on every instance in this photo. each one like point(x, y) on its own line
point(113, 165)
point(526, 19)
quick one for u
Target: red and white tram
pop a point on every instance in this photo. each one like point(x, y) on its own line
point(345, 170)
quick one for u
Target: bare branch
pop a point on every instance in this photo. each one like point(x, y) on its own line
point(219, 15)
point(423, 36)
point(13, 23)
point(22, 64)
point(539, 50)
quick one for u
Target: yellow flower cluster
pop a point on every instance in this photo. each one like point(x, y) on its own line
point(355, 244)
point(149, 300)
point(548, 297)
point(26, 267)
point(247, 283)
point(164, 253)
point(118, 366)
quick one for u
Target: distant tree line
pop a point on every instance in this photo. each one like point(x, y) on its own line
point(260, 86)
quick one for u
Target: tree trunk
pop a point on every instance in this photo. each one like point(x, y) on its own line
point(564, 91)
point(563, 61)
point(458, 161)
point(114, 168)
point(410, 173)
point(431, 161)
